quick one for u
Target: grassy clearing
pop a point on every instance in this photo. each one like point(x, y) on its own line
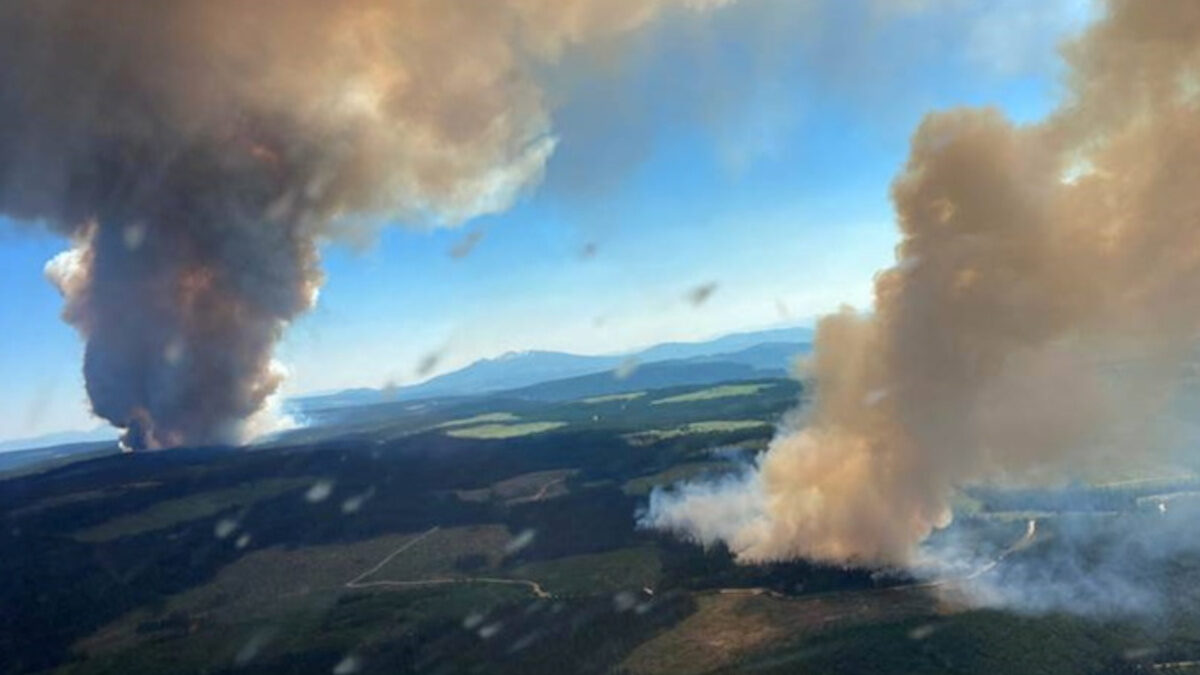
point(486, 418)
point(492, 431)
point(284, 587)
point(613, 398)
point(609, 572)
point(192, 507)
point(439, 554)
point(526, 487)
point(723, 391)
point(729, 627)
point(973, 642)
point(310, 639)
point(710, 427)
point(642, 485)
point(272, 582)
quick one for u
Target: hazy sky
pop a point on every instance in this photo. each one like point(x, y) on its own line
point(751, 148)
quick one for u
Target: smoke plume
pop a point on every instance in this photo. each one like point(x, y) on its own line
point(196, 151)
point(1045, 297)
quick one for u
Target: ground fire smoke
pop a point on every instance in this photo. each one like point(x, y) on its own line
point(197, 150)
point(1045, 299)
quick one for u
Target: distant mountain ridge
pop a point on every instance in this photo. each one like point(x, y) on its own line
point(544, 375)
point(734, 342)
point(767, 360)
point(97, 435)
point(743, 354)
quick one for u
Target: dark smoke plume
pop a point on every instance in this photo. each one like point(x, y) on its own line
point(196, 151)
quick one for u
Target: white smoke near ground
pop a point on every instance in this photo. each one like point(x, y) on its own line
point(1035, 328)
point(1105, 565)
point(730, 509)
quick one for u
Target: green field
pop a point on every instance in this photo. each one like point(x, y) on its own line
point(496, 431)
point(724, 391)
point(482, 418)
point(693, 428)
point(612, 398)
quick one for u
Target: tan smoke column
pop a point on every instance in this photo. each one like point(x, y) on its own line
point(197, 150)
point(1045, 298)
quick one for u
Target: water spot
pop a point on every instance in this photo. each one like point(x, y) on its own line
point(348, 666)
point(922, 632)
point(525, 641)
point(249, 651)
point(944, 210)
point(909, 263)
point(525, 538)
point(627, 368)
point(225, 527)
point(354, 503)
point(278, 209)
point(874, 396)
point(489, 631)
point(1139, 653)
point(134, 235)
point(243, 541)
point(624, 601)
point(472, 620)
point(173, 352)
point(700, 294)
point(428, 362)
point(465, 245)
point(319, 492)
point(782, 309)
point(588, 251)
point(319, 183)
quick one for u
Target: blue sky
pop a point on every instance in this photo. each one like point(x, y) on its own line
point(760, 163)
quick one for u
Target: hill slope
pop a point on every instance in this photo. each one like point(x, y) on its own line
point(768, 350)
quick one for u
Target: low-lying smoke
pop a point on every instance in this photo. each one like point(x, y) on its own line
point(1108, 565)
point(197, 150)
point(1045, 297)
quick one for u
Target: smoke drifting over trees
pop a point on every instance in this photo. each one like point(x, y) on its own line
point(197, 150)
point(1045, 297)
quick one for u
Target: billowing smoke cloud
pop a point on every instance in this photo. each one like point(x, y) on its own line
point(1045, 296)
point(197, 150)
